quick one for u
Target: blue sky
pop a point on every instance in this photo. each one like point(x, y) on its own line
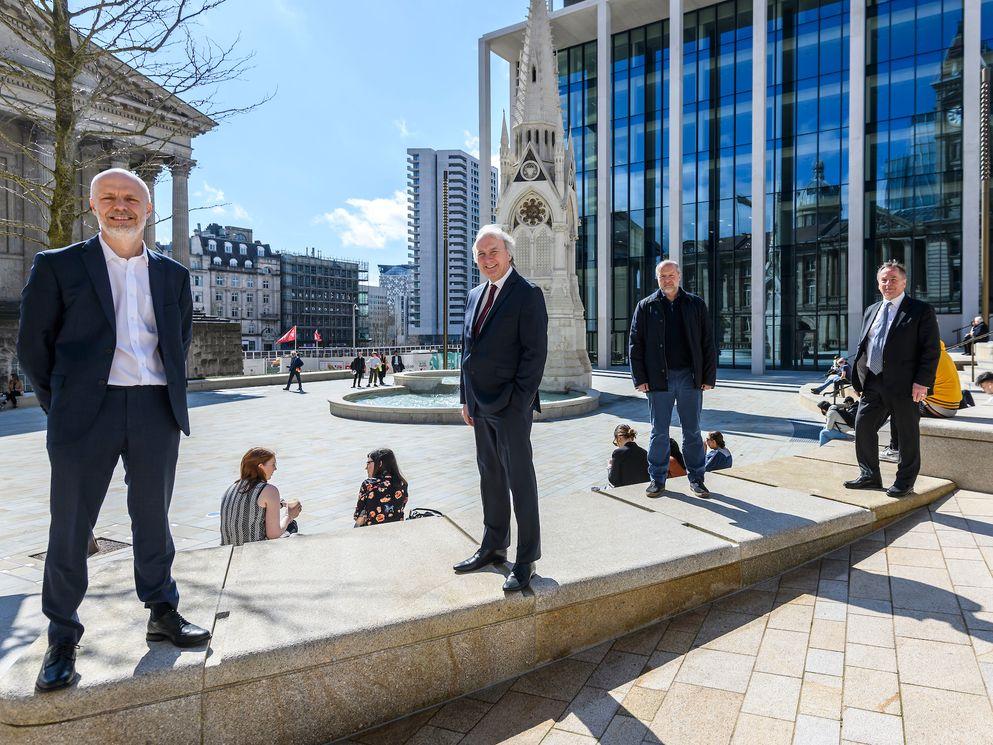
point(357, 82)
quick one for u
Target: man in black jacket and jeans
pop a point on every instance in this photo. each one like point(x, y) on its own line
point(673, 361)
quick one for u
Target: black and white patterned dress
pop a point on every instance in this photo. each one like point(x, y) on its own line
point(242, 520)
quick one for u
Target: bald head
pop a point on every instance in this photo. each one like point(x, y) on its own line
point(118, 174)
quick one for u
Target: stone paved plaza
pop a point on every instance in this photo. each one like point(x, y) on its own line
point(887, 641)
point(321, 461)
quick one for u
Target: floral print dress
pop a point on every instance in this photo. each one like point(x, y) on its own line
point(380, 502)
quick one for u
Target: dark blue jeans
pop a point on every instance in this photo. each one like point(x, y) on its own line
point(688, 401)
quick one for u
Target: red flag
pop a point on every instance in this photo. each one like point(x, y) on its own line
point(317, 336)
point(289, 336)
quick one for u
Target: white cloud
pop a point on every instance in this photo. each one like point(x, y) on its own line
point(369, 223)
point(471, 143)
point(402, 128)
point(222, 207)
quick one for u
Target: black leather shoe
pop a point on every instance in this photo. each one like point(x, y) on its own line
point(864, 482)
point(899, 491)
point(654, 489)
point(479, 560)
point(59, 668)
point(520, 577)
point(172, 627)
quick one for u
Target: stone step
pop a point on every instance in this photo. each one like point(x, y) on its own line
point(318, 637)
point(818, 472)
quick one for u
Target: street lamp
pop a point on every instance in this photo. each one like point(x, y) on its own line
point(355, 309)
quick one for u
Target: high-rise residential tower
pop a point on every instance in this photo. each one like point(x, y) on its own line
point(444, 188)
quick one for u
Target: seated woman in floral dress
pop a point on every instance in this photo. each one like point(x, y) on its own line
point(382, 496)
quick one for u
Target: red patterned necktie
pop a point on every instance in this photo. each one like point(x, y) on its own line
point(486, 309)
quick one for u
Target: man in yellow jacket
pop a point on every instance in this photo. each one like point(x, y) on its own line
point(943, 402)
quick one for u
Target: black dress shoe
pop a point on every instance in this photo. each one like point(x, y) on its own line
point(171, 626)
point(520, 577)
point(654, 489)
point(479, 560)
point(864, 482)
point(59, 668)
point(899, 491)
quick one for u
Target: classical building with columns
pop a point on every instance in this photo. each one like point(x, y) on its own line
point(860, 121)
point(161, 149)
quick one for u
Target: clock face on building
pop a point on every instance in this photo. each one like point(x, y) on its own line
point(954, 116)
point(530, 170)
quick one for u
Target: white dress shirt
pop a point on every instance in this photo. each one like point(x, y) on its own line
point(499, 286)
point(136, 357)
point(877, 324)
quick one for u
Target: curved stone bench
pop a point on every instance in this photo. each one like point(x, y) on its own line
point(318, 637)
point(957, 449)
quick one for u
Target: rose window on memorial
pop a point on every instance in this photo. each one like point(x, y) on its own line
point(533, 212)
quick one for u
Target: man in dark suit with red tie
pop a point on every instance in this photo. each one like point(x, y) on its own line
point(894, 367)
point(504, 346)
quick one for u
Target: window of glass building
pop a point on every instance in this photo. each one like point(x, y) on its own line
point(913, 164)
point(639, 223)
point(717, 165)
point(578, 95)
point(806, 280)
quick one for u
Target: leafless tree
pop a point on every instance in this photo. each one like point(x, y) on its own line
point(101, 71)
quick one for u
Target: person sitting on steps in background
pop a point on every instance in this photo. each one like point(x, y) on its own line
point(718, 456)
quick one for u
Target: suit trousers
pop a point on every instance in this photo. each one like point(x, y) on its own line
point(506, 467)
point(294, 374)
point(136, 424)
point(879, 402)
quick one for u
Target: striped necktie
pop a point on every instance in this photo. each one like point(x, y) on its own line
point(876, 352)
point(486, 309)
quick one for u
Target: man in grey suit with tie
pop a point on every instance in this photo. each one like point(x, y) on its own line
point(105, 327)
point(894, 367)
point(504, 346)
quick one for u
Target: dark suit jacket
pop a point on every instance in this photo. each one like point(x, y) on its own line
point(912, 347)
point(502, 368)
point(68, 333)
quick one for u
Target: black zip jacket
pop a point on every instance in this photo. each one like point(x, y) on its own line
point(647, 342)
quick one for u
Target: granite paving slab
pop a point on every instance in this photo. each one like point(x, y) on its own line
point(577, 564)
point(752, 515)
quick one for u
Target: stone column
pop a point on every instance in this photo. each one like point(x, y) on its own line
point(604, 192)
point(759, 34)
point(149, 173)
point(856, 171)
point(92, 157)
point(676, 130)
point(971, 184)
point(180, 169)
point(41, 169)
point(485, 123)
point(117, 154)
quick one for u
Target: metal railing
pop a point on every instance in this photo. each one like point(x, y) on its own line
point(971, 341)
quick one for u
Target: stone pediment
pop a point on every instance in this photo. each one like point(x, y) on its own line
point(531, 168)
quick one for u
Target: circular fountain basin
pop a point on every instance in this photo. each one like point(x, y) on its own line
point(439, 403)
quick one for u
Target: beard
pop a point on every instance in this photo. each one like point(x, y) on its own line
point(127, 232)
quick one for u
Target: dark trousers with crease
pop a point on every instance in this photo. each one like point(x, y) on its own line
point(506, 472)
point(879, 402)
point(136, 424)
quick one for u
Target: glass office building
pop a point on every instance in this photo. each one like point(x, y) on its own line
point(863, 150)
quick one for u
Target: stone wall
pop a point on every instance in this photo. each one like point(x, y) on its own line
point(8, 345)
point(215, 349)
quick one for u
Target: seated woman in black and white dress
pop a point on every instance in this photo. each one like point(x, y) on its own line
point(250, 508)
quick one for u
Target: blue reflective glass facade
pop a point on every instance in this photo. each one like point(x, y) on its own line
point(639, 172)
point(717, 170)
point(578, 96)
point(807, 182)
point(913, 166)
